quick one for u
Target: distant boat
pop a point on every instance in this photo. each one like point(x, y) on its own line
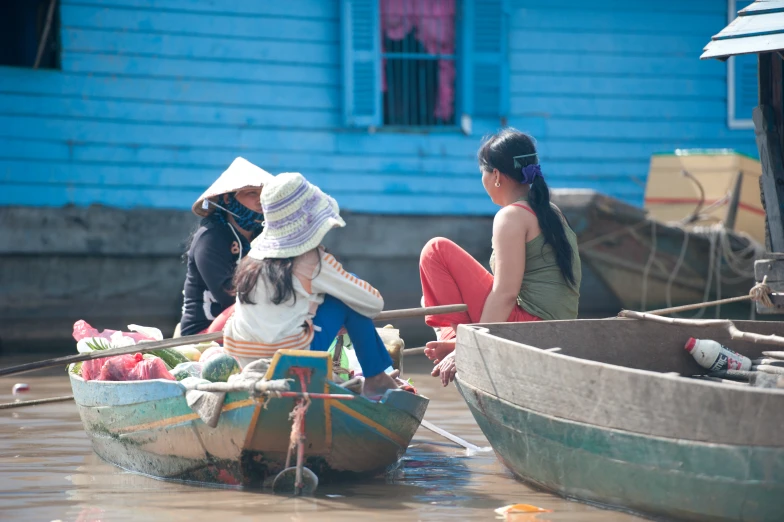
point(147, 427)
point(696, 240)
point(613, 418)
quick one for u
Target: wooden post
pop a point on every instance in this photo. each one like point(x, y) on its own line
point(769, 145)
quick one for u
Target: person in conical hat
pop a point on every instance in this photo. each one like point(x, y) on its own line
point(292, 294)
point(232, 218)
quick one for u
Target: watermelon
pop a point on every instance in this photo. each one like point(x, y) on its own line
point(211, 352)
point(219, 368)
point(170, 357)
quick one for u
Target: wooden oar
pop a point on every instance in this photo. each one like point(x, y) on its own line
point(21, 404)
point(454, 438)
point(200, 338)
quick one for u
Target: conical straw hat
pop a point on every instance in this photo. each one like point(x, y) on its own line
point(241, 174)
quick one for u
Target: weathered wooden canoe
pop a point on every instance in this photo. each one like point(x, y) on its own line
point(612, 417)
point(147, 427)
point(631, 261)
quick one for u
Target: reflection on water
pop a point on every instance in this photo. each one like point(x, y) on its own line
point(49, 472)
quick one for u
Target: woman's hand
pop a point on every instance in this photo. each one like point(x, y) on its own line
point(446, 369)
point(437, 350)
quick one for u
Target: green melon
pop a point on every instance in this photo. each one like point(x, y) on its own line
point(219, 368)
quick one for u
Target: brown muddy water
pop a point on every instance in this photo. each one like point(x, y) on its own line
point(48, 472)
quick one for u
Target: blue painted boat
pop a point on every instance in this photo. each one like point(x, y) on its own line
point(147, 427)
point(606, 411)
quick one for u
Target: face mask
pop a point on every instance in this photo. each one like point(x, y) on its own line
point(246, 218)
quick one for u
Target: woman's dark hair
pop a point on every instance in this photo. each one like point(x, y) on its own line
point(277, 274)
point(498, 152)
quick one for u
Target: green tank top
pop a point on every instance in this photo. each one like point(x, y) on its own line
point(544, 292)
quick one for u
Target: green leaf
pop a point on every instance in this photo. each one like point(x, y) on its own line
point(98, 344)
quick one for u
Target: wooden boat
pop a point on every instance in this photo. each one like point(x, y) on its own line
point(632, 261)
point(147, 427)
point(613, 418)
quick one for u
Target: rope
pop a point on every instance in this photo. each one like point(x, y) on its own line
point(256, 388)
point(297, 416)
point(721, 254)
point(760, 292)
point(646, 271)
point(676, 270)
point(624, 230)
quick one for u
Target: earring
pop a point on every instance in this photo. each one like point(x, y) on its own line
point(497, 184)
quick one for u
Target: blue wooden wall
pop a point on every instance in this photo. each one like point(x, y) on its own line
point(156, 97)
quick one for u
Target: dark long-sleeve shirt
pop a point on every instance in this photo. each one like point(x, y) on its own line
point(212, 259)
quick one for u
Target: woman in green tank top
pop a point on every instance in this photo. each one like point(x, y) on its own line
point(535, 263)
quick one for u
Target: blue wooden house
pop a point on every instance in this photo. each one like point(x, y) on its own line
point(116, 114)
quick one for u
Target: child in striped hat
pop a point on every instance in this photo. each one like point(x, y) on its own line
point(292, 294)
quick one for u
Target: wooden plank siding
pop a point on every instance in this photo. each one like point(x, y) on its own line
point(155, 98)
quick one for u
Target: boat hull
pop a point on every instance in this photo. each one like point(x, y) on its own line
point(681, 479)
point(576, 424)
point(147, 427)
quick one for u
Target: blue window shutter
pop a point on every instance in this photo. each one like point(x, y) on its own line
point(742, 81)
point(360, 28)
point(484, 59)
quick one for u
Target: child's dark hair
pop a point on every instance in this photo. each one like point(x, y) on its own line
point(276, 273)
point(498, 152)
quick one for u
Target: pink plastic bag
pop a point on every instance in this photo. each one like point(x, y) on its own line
point(82, 329)
point(119, 367)
point(130, 368)
point(91, 370)
point(148, 369)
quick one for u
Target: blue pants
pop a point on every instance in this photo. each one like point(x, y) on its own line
point(331, 316)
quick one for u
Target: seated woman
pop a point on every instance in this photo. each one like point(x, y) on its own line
point(291, 294)
point(231, 210)
point(535, 263)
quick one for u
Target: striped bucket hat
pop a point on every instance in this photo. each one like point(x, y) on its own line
point(297, 216)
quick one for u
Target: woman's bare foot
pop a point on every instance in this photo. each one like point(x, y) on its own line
point(437, 350)
point(379, 384)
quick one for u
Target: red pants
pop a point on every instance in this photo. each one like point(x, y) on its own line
point(451, 276)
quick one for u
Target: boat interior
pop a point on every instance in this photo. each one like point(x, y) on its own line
point(632, 343)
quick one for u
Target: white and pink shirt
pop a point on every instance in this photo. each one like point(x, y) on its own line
point(259, 330)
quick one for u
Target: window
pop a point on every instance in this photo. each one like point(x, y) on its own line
point(418, 62)
point(30, 33)
point(423, 63)
point(742, 95)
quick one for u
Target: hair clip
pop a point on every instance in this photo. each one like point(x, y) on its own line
point(517, 164)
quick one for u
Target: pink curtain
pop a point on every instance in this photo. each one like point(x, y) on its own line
point(434, 23)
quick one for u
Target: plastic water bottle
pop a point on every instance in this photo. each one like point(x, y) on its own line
point(713, 356)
